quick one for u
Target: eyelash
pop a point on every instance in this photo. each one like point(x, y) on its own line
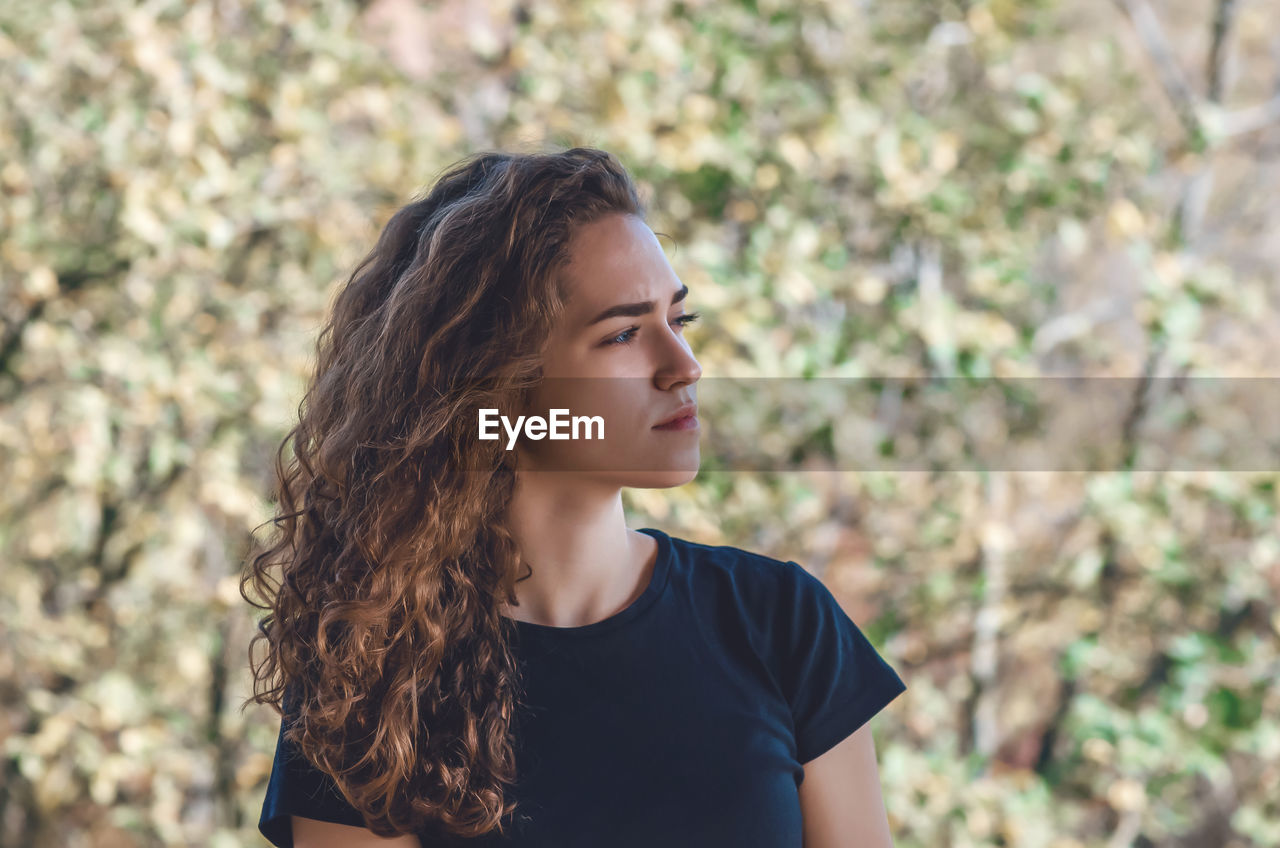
point(683, 320)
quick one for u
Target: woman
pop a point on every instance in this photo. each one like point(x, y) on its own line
point(629, 687)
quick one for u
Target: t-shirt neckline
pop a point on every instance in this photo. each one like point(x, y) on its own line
point(657, 583)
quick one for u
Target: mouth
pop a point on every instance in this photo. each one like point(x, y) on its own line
point(685, 418)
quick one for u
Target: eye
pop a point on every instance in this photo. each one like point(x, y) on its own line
point(628, 335)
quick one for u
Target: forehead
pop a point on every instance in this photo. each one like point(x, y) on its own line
point(614, 257)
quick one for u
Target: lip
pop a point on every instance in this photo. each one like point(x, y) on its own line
point(684, 418)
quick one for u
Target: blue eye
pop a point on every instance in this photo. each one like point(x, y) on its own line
point(628, 335)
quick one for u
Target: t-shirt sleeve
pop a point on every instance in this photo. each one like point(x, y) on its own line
point(297, 788)
point(832, 677)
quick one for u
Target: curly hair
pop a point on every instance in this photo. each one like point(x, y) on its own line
point(386, 644)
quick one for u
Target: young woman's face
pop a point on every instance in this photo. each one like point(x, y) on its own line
point(619, 352)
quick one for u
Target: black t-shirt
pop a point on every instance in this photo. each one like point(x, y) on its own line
point(683, 720)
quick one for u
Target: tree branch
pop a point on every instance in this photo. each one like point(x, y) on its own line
point(1189, 108)
point(1169, 72)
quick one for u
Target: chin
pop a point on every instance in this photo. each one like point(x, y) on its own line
point(665, 479)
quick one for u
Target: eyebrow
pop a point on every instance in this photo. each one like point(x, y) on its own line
point(633, 310)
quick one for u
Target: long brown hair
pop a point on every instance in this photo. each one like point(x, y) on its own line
point(386, 645)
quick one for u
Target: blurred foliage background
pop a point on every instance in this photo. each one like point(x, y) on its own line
point(957, 188)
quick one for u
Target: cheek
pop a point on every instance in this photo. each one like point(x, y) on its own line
point(619, 401)
point(613, 398)
point(616, 399)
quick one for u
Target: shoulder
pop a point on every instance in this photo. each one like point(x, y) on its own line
point(707, 555)
point(762, 582)
point(789, 606)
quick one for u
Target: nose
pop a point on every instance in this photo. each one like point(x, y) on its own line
point(681, 366)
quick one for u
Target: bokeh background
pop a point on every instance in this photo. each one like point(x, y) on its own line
point(971, 189)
